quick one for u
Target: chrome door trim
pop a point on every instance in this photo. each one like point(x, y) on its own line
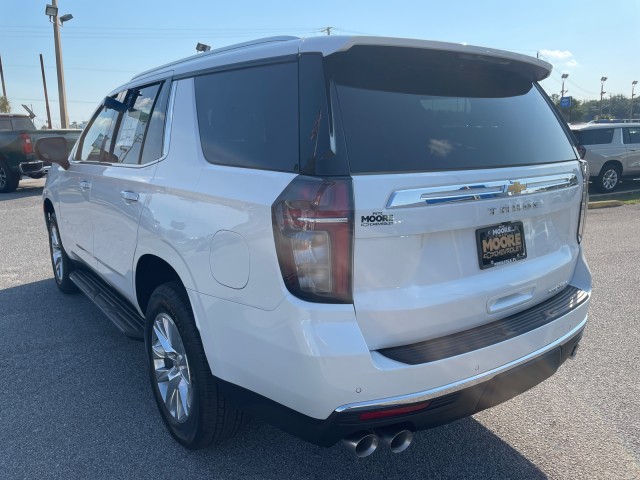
point(416, 197)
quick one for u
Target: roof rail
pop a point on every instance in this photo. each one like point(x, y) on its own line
point(281, 38)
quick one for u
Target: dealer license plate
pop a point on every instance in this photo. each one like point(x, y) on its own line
point(501, 244)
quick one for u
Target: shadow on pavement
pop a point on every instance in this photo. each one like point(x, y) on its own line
point(76, 404)
point(30, 190)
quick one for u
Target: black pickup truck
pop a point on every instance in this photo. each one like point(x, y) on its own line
point(18, 137)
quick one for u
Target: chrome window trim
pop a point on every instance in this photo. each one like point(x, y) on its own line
point(472, 192)
point(460, 384)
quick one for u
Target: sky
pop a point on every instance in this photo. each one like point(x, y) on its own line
point(106, 43)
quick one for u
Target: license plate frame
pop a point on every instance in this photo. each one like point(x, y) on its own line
point(500, 244)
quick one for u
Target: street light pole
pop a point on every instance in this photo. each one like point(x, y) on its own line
point(563, 91)
point(62, 95)
point(602, 92)
point(633, 86)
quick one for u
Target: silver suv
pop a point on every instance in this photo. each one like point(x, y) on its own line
point(354, 238)
point(612, 151)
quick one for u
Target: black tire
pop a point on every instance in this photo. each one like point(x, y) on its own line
point(60, 262)
point(609, 178)
point(211, 418)
point(8, 180)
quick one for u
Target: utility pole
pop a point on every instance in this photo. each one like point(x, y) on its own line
point(633, 86)
point(327, 29)
point(46, 96)
point(4, 90)
point(62, 95)
point(602, 92)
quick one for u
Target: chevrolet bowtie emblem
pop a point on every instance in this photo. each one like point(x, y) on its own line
point(516, 188)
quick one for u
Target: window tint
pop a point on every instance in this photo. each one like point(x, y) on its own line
point(598, 136)
point(249, 117)
point(95, 145)
point(408, 110)
point(134, 122)
point(5, 124)
point(632, 135)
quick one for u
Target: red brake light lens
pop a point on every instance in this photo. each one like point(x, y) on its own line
point(393, 412)
point(27, 146)
point(313, 231)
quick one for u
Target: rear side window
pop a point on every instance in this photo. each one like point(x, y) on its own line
point(249, 117)
point(631, 135)
point(5, 124)
point(412, 110)
point(599, 136)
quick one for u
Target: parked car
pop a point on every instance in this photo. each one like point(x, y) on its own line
point(612, 151)
point(17, 158)
point(353, 238)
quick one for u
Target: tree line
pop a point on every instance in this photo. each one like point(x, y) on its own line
point(613, 107)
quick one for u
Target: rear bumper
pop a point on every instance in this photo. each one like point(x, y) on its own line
point(35, 167)
point(440, 406)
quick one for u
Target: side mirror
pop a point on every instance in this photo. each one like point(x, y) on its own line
point(54, 150)
point(113, 104)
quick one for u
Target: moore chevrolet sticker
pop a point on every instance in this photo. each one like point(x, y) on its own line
point(501, 244)
point(376, 219)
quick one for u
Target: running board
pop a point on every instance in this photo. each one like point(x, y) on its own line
point(113, 305)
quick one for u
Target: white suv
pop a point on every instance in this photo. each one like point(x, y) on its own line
point(353, 238)
point(611, 150)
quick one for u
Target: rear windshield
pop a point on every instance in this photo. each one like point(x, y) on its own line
point(411, 110)
point(600, 136)
point(16, 123)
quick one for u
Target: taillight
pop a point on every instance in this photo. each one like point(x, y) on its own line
point(584, 168)
point(313, 230)
point(27, 146)
point(581, 150)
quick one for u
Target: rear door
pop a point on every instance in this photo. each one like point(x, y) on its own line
point(120, 187)
point(467, 193)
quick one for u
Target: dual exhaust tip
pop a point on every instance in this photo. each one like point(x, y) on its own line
point(364, 444)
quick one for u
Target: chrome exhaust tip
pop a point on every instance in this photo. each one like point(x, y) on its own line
point(398, 440)
point(362, 444)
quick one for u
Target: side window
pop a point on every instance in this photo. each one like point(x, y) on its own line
point(598, 136)
point(632, 135)
point(95, 145)
point(249, 117)
point(152, 149)
point(134, 123)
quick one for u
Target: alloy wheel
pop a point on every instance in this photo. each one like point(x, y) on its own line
point(610, 179)
point(56, 252)
point(171, 368)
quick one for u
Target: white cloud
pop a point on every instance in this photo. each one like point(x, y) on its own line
point(556, 54)
point(562, 59)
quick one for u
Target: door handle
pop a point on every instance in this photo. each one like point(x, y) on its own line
point(129, 197)
point(85, 185)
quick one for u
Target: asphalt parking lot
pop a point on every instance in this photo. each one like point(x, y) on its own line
point(75, 400)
